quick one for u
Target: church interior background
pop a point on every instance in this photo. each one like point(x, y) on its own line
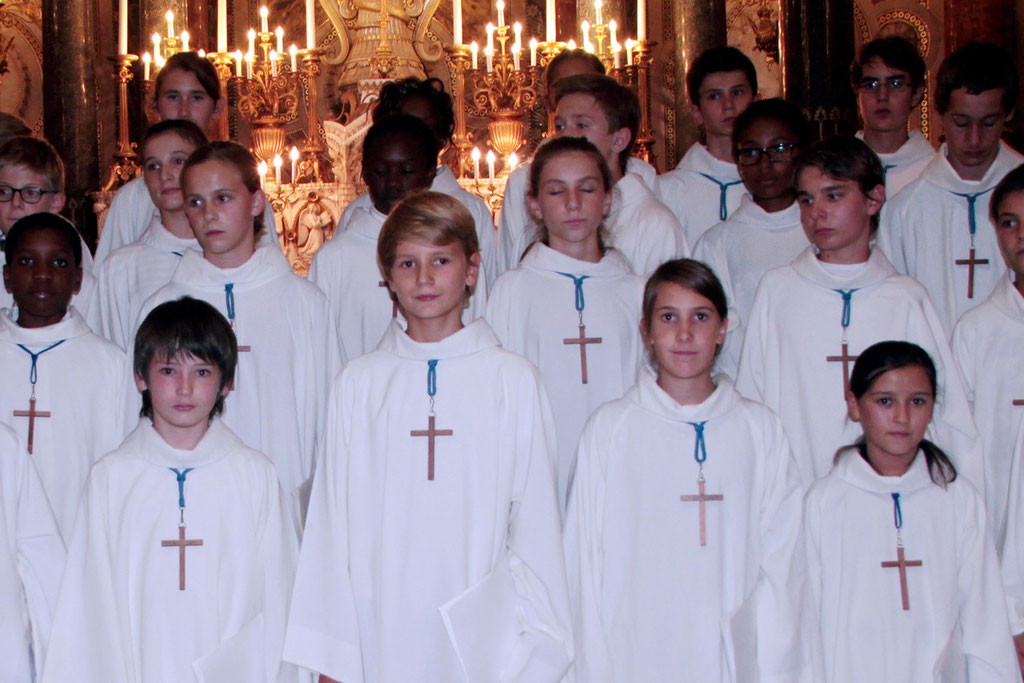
point(80, 72)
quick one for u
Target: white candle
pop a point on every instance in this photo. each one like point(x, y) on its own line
point(170, 23)
point(501, 12)
point(264, 14)
point(122, 27)
point(457, 21)
point(585, 28)
point(294, 154)
point(641, 20)
point(612, 26)
point(248, 65)
point(473, 49)
point(146, 60)
point(238, 63)
point(533, 52)
point(491, 158)
point(184, 41)
point(293, 51)
point(475, 156)
point(516, 50)
point(616, 54)
point(489, 54)
point(597, 11)
point(202, 53)
point(629, 51)
point(490, 36)
point(222, 26)
point(278, 162)
point(571, 45)
point(252, 40)
point(517, 29)
point(513, 161)
point(159, 61)
point(156, 46)
point(279, 32)
point(310, 25)
point(273, 63)
point(262, 168)
point(549, 20)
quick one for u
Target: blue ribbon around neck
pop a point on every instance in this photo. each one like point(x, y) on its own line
point(580, 303)
point(431, 377)
point(723, 209)
point(229, 295)
point(897, 512)
point(33, 373)
point(181, 484)
point(700, 449)
point(972, 199)
point(847, 295)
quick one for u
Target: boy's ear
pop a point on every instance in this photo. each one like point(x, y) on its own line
point(59, 199)
point(76, 280)
point(695, 113)
point(473, 271)
point(621, 139)
point(918, 95)
point(220, 108)
point(140, 383)
point(876, 197)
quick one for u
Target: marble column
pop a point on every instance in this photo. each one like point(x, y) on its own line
point(817, 49)
point(695, 26)
point(69, 86)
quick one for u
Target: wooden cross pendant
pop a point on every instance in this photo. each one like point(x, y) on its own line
point(31, 414)
point(970, 262)
point(583, 340)
point(244, 349)
point(845, 358)
point(1018, 401)
point(180, 544)
point(902, 563)
point(430, 432)
point(701, 498)
point(394, 304)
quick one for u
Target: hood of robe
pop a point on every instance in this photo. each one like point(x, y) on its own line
point(749, 213)
point(215, 444)
point(1007, 299)
point(266, 264)
point(652, 398)
point(159, 237)
point(699, 160)
point(547, 261)
point(629, 191)
point(71, 325)
point(366, 222)
point(914, 149)
point(876, 269)
point(939, 172)
point(857, 471)
point(473, 337)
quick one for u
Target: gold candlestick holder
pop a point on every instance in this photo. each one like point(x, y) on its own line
point(125, 167)
point(313, 164)
point(460, 64)
point(222, 63)
point(644, 52)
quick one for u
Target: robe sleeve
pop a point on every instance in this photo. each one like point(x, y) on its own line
point(815, 576)
point(489, 256)
point(113, 320)
point(513, 221)
point(126, 219)
point(710, 249)
point(750, 378)
point(277, 552)
point(1013, 546)
point(964, 345)
point(498, 311)
point(890, 236)
point(659, 238)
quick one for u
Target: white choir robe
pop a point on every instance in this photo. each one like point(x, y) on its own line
point(905, 165)
point(956, 629)
point(695, 199)
point(280, 394)
point(517, 228)
point(740, 251)
point(651, 604)
point(345, 269)
point(446, 183)
point(796, 323)
point(988, 344)
point(926, 229)
point(83, 384)
point(457, 579)
point(1013, 547)
point(130, 213)
point(121, 615)
point(132, 274)
point(86, 301)
point(31, 563)
point(532, 310)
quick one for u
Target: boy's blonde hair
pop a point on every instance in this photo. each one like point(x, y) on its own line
point(36, 155)
point(429, 217)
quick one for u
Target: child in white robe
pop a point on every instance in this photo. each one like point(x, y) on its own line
point(572, 307)
point(31, 562)
point(889, 79)
point(705, 188)
point(764, 232)
point(902, 565)
point(668, 584)
point(934, 230)
point(988, 343)
point(432, 549)
point(134, 272)
point(399, 158)
point(186, 87)
point(288, 348)
point(64, 387)
point(1012, 555)
point(811, 317)
point(179, 564)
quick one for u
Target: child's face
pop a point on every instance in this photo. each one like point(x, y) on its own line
point(973, 125)
point(1010, 232)
point(161, 170)
point(430, 281)
point(571, 202)
point(182, 97)
point(566, 68)
point(835, 214)
point(579, 115)
point(769, 181)
point(220, 209)
point(395, 167)
point(42, 277)
point(894, 414)
point(684, 331)
point(886, 97)
point(183, 391)
point(721, 98)
point(17, 176)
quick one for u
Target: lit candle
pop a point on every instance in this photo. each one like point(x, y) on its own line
point(252, 40)
point(293, 51)
point(571, 45)
point(146, 59)
point(475, 156)
point(122, 27)
point(490, 164)
point(641, 20)
point(202, 53)
point(517, 28)
point(585, 28)
point(278, 162)
point(184, 41)
point(612, 26)
point(156, 46)
point(159, 61)
point(533, 52)
point(264, 15)
point(248, 65)
point(616, 48)
point(490, 36)
point(279, 32)
point(629, 51)
point(222, 26)
point(516, 50)
point(262, 168)
point(273, 63)
point(501, 12)
point(489, 54)
point(549, 20)
point(513, 161)
point(294, 154)
point(473, 49)
point(170, 23)
point(597, 10)
point(238, 63)
point(310, 24)
point(457, 21)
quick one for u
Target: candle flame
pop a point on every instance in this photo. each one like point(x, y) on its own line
point(491, 158)
point(294, 154)
point(475, 154)
point(278, 161)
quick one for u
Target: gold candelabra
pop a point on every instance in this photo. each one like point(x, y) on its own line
point(125, 167)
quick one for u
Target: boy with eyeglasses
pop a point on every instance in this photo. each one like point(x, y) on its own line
point(889, 79)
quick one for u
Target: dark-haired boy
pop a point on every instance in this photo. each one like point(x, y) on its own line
point(705, 188)
point(889, 78)
point(64, 387)
point(179, 567)
point(935, 230)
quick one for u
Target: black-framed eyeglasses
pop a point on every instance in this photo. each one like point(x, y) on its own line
point(29, 195)
point(892, 84)
point(751, 156)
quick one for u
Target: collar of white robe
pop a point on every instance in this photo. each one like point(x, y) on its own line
point(33, 373)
